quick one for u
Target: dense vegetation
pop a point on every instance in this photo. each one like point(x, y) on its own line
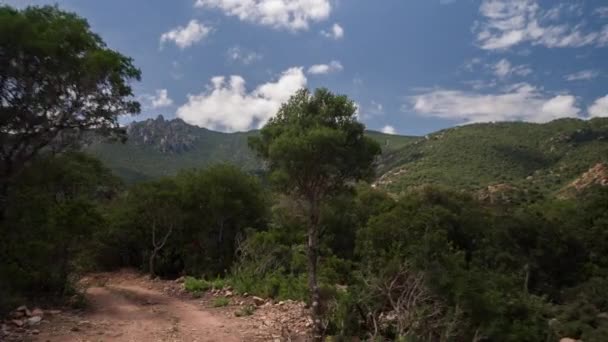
point(538, 157)
point(431, 264)
point(158, 148)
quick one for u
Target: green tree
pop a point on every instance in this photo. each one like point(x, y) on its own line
point(53, 212)
point(219, 202)
point(156, 208)
point(314, 148)
point(58, 79)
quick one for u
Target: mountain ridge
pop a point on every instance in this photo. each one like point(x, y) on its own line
point(531, 157)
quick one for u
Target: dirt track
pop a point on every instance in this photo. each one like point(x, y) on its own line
point(128, 311)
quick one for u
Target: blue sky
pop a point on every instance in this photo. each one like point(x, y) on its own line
point(412, 66)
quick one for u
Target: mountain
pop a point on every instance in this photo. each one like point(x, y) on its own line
point(159, 147)
point(495, 157)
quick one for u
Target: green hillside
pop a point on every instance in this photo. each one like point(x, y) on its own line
point(533, 156)
point(159, 147)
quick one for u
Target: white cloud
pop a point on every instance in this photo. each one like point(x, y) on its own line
point(388, 129)
point(290, 14)
point(186, 36)
point(511, 22)
point(583, 75)
point(160, 100)
point(226, 105)
point(336, 32)
point(599, 108)
point(319, 69)
point(504, 68)
point(602, 12)
point(238, 54)
point(518, 102)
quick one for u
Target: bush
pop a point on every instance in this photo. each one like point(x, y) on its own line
point(194, 285)
point(221, 302)
point(247, 310)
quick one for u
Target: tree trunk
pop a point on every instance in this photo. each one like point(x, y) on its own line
point(151, 265)
point(156, 246)
point(313, 286)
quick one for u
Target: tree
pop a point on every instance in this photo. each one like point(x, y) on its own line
point(58, 79)
point(314, 148)
point(157, 208)
point(220, 202)
point(53, 214)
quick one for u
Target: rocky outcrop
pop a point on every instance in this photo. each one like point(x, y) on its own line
point(167, 136)
point(597, 175)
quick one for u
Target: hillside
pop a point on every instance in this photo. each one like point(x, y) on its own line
point(541, 157)
point(159, 147)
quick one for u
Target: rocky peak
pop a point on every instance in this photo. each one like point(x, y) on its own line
point(167, 136)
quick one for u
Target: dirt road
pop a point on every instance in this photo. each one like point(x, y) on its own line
point(129, 311)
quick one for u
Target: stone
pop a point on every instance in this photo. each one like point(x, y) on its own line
point(258, 301)
point(228, 293)
point(38, 312)
point(34, 320)
point(17, 322)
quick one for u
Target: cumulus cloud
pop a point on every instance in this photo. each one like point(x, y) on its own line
point(583, 75)
point(504, 69)
point(227, 106)
point(186, 36)
point(281, 14)
point(336, 32)
point(160, 100)
point(518, 102)
point(599, 108)
point(319, 69)
point(240, 55)
point(388, 129)
point(507, 23)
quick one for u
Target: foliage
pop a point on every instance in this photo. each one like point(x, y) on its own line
point(315, 148)
point(52, 213)
point(209, 210)
point(160, 148)
point(58, 79)
point(246, 310)
point(537, 158)
point(221, 302)
point(195, 285)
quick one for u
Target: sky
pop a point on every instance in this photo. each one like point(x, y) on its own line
point(411, 66)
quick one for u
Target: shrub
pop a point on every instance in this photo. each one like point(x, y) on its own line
point(194, 285)
point(247, 310)
point(221, 302)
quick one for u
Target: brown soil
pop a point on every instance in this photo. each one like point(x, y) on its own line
point(125, 306)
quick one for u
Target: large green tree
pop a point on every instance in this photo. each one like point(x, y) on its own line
point(314, 148)
point(58, 79)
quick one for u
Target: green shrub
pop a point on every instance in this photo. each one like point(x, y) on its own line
point(221, 302)
point(194, 285)
point(247, 310)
